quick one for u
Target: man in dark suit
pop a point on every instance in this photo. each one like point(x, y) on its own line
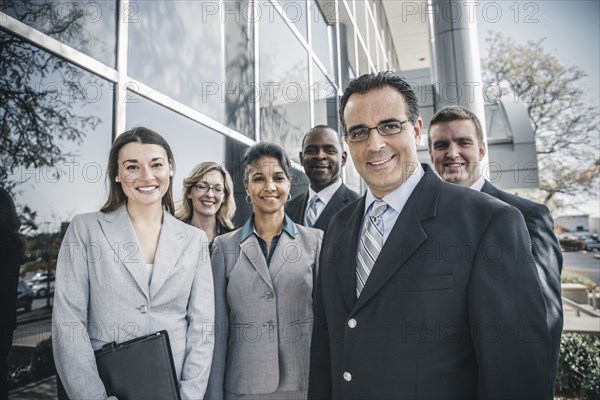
point(456, 147)
point(322, 157)
point(12, 251)
point(426, 289)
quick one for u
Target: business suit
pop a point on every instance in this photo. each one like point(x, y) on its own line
point(102, 292)
point(263, 313)
point(547, 256)
point(452, 307)
point(296, 207)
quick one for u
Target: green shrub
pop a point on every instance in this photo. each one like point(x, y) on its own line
point(574, 277)
point(579, 367)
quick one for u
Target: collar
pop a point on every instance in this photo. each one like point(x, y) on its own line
point(326, 194)
point(398, 198)
point(478, 185)
point(248, 228)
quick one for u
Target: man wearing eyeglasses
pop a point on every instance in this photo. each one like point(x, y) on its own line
point(322, 157)
point(426, 289)
point(456, 147)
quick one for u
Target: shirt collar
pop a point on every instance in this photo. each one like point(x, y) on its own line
point(325, 194)
point(478, 185)
point(398, 198)
point(248, 228)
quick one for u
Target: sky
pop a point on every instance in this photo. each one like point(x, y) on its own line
point(572, 33)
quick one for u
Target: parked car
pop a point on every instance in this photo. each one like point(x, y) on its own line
point(592, 243)
point(24, 296)
point(39, 286)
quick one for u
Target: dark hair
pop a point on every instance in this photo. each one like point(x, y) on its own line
point(316, 127)
point(116, 196)
point(226, 211)
point(455, 113)
point(367, 82)
point(265, 149)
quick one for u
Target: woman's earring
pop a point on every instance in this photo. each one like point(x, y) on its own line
point(117, 179)
point(289, 196)
point(248, 199)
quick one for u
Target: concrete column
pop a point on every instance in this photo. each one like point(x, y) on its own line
point(455, 60)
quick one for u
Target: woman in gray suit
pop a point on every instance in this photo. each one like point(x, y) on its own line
point(264, 274)
point(132, 269)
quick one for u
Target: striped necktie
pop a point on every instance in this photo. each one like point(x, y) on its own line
point(311, 211)
point(370, 244)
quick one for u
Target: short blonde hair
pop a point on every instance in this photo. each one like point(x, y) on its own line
point(226, 211)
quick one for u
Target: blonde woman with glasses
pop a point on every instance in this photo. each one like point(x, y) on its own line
point(208, 202)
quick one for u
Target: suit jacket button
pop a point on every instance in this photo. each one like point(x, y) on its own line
point(347, 376)
point(143, 309)
point(269, 295)
point(352, 323)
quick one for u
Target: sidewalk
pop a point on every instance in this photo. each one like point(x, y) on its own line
point(44, 389)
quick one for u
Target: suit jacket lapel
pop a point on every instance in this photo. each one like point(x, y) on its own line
point(406, 236)
point(283, 253)
point(335, 204)
point(120, 234)
point(253, 253)
point(347, 259)
point(168, 251)
point(489, 189)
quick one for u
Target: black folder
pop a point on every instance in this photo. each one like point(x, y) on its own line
point(141, 368)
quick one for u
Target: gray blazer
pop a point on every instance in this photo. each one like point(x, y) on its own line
point(102, 295)
point(263, 313)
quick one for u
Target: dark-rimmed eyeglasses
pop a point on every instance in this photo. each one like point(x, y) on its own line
point(384, 129)
point(202, 188)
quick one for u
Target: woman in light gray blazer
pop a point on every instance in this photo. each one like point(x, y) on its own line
point(264, 275)
point(132, 269)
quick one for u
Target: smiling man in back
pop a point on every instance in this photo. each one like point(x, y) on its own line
point(322, 157)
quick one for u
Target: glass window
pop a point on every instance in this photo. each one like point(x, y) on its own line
point(372, 39)
point(361, 19)
point(347, 46)
point(497, 122)
point(176, 47)
point(325, 100)
point(88, 26)
point(284, 107)
point(295, 12)
point(240, 95)
point(321, 37)
point(57, 129)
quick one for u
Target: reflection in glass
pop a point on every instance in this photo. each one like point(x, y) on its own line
point(56, 133)
point(87, 26)
point(176, 48)
point(295, 12)
point(284, 108)
point(325, 100)
point(347, 47)
point(240, 97)
point(321, 37)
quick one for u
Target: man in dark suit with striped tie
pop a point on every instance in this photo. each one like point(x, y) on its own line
point(426, 290)
point(322, 157)
point(456, 148)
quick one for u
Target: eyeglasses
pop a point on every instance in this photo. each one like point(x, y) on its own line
point(202, 188)
point(384, 129)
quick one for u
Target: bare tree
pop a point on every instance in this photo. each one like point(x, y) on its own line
point(564, 120)
point(36, 119)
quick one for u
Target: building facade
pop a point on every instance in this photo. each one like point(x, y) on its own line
point(211, 76)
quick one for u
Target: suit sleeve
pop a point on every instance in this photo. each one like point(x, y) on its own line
point(199, 335)
point(221, 329)
point(73, 352)
point(319, 382)
point(507, 313)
